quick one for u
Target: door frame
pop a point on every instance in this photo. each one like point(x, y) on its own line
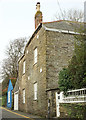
point(14, 98)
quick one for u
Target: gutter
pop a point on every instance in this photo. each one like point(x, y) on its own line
point(60, 31)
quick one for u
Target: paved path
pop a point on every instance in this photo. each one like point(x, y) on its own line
point(7, 114)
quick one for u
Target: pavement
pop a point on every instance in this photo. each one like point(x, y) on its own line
point(7, 114)
point(26, 114)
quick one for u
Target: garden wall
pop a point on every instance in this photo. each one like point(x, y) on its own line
point(74, 110)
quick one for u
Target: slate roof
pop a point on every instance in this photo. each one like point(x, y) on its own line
point(60, 25)
point(64, 25)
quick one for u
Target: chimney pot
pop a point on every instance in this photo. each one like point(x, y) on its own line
point(38, 2)
point(38, 6)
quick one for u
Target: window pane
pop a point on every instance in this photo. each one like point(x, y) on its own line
point(35, 55)
point(35, 91)
point(23, 67)
point(23, 96)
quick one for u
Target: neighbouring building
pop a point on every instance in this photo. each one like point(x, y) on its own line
point(47, 52)
point(9, 94)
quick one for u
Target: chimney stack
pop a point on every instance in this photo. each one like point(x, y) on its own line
point(38, 15)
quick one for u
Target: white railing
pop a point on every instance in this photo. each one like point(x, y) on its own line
point(74, 96)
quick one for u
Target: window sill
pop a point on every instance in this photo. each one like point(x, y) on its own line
point(36, 100)
point(23, 103)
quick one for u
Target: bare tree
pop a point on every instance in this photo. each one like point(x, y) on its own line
point(71, 15)
point(10, 63)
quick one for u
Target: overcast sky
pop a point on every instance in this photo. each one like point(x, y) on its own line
point(17, 17)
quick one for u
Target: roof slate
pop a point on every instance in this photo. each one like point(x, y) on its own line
point(64, 25)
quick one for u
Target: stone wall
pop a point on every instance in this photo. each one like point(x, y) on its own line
point(59, 52)
point(22, 85)
point(52, 109)
point(74, 110)
point(60, 49)
point(34, 73)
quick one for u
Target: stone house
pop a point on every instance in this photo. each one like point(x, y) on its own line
point(49, 49)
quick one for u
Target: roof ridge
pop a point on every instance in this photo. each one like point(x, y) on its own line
point(52, 21)
point(62, 20)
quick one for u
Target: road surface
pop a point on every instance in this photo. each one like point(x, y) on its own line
point(6, 114)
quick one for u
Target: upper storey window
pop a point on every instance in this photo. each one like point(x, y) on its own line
point(35, 55)
point(24, 66)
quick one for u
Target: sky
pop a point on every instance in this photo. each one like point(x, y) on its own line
point(17, 17)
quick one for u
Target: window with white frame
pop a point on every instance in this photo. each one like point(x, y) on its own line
point(35, 55)
point(23, 95)
point(24, 67)
point(35, 91)
point(9, 97)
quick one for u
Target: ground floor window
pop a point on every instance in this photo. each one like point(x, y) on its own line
point(35, 91)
